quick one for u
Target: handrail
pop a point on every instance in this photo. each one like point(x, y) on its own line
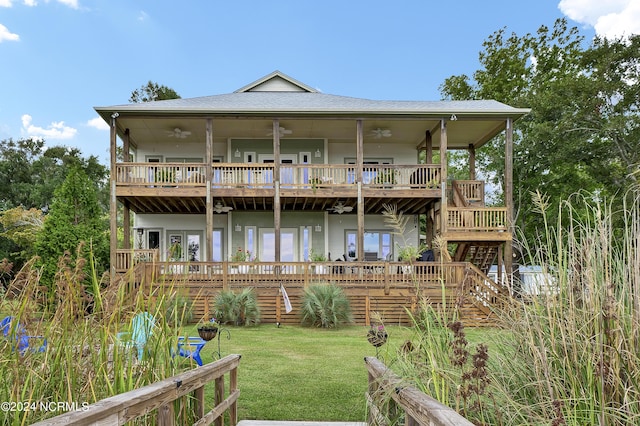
point(292, 176)
point(128, 406)
point(477, 219)
point(483, 289)
point(419, 408)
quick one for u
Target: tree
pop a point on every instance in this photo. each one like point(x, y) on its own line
point(30, 172)
point(21, 228)
point(152, 92)
point(582, 132)
point(75, 217)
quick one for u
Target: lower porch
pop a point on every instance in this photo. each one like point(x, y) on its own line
point(391, 289)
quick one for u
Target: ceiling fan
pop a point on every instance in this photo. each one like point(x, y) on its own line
point(340, 208)
point(380, 133)
point(219, 208)
point(281, 130)
point(178, 133)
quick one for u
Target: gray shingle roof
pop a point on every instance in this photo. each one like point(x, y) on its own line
point(301, 102)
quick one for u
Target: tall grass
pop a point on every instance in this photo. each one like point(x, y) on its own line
point(571, 356)
point(83, 363)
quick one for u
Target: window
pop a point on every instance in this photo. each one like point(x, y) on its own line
point(379, 242)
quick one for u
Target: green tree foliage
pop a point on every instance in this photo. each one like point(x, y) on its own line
point(21, 228)
point(30, 172)
point(583, 129)
point(75, 217)
point(153, 92)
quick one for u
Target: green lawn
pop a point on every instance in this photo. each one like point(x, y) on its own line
point(296, 373)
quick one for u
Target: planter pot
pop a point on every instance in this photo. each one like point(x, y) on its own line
point(377, 338)
point(207, 334)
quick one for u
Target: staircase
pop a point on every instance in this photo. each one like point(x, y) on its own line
point(482, 255)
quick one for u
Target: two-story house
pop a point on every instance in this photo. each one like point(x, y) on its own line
point(276, 173)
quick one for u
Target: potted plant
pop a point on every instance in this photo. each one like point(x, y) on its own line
point(317, 257)
point(208, 330)
point(241, 255)
point(386, 178)
point(409, 254)
point(315, 182)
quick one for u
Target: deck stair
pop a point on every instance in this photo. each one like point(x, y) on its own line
point(481, 255)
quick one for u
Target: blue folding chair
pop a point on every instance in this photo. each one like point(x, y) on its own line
point(142, 326)
point(14, 331)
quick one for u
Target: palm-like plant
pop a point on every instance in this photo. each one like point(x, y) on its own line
point(237, 308)
point(325, 305)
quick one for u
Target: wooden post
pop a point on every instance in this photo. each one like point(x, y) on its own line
point(429, 147)
point(198, 394)
point(126, 218)
point(208, 238)
point(219, 397)
point(508, 197)
point(360, 212)
point(113, 207)
point(443, 176)
point(472, 162)
point(233, 388)
point(276, 183)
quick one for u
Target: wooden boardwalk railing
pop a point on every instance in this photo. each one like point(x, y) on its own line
point(419, 408)
point(122, 408)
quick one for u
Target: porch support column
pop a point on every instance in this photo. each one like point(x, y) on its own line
point(428, 147)
point(508, 197)
point(360, 212)
point(276, 184)
point(126, 213)
point(208, 163)
point(444, 215)
point(472, 162)
point(113, 206)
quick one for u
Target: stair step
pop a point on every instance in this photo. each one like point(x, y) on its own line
point(296, 423)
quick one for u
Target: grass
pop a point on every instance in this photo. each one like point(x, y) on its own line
point(302, 373)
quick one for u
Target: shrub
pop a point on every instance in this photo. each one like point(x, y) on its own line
point(237, 308)
point(325, 305)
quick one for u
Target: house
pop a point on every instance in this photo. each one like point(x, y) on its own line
point(280, 171)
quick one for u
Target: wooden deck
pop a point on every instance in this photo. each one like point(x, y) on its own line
point(386, 288)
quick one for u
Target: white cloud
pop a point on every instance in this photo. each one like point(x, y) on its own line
point(98, 123)
point(30, 3)
point(5, 34)
point(5, 3)
point(610, 19)
point(143, 16)
point(73, 4)
point(56, 130)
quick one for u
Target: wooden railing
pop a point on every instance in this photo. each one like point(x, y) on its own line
point(388, 398)
point(483, 290)
point(341, 273)
point(472, 191)
point(127, 258)
point(160, 396)
point(161, 174)
point(296, 176)
point(477, 219)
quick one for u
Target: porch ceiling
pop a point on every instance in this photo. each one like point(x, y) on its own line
point(197, 205)
point(460, 133)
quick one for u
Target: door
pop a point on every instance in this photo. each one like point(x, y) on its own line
point(288, 245)
point(184, 246)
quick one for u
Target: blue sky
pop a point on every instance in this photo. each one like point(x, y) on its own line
point(60, 58)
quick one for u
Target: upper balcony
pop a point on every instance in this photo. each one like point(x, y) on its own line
point(180, 186)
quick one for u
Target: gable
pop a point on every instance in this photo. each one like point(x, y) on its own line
point(276, 82)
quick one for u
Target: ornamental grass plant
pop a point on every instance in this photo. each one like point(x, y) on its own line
point(83, 362)
point(569, 355)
